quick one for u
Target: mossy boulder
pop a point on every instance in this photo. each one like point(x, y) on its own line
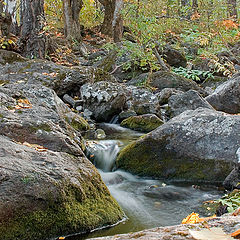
point(143, 123)
point(48, 194)
point(8, 57)
point(77, 122)
point(196, 146)
point(162, 79)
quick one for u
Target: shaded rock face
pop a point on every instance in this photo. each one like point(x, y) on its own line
point(165, 94)
point(161, 80)
point(47, 194)
point(197, 146)
point(226, 97)
point(228, 223)
point(59, 78)
point(44, 123)
point(103, 99)
point(141, 100)
point(174, 57)
point(190, 100)
point(143, 123)
point(233, 179)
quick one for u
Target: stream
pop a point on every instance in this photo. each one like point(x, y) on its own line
point(147, 202)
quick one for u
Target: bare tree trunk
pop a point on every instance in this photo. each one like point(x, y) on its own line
point(71, 9)
point(232, 9)
point(112, 23)
point(32, 36)
point(117, 24)
point(109, 7)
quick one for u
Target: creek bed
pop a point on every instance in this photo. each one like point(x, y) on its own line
point(148, 203)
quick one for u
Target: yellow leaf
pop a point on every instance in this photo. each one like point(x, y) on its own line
point(10, 41)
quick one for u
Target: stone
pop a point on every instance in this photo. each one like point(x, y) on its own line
point(162, 79)
point(59, 78)
point(165, 94)
point(143, 123)
point(48, 194)
point(227, 222)
point(103, 99)
point(174, 57)
point(226, 97)
point(45, 121)
point(197, 145)
point(126, 114)
point(233, 179)
point(190, 100)
point(142, 101)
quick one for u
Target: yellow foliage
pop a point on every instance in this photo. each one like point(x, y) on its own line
point(194, 218)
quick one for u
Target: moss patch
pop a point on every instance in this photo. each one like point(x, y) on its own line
point(79, 209)
point(144, 123)
point(147, 157)
point(78, 123)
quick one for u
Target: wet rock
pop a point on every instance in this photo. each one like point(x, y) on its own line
point(226, 97)
point(103, 99)
point(143, 123)
point(126, 114)
point(165, 94)
point(59, 78)
point(46, 120)
point(197, 146)
point(48, 194)
point(141, 100)
point(190, 100)
point(233, 179)
point(228, 223)
point(161, 80)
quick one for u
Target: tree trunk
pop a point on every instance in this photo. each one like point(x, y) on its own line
point(232, 9)
point(117, 24)
point(72, 28)
point(112, 23)
point(109, 7)
point(32, 36)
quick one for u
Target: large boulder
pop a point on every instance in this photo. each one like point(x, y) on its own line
point(162, 79)
point(190, 100)
point(47, 194)
point(103, 99)
point(197, 146)
point(143, 123)
point(226, 97)
point(35, 114)
point(15, 69)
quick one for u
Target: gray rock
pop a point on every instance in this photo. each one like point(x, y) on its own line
point(179, 232)
point(59, 78)
point(226, 97)
point(174, 57)
point(233, 179)
point(141, 100)
point(161, 80)
point(165, 94)
point(197, 145)
point(190, 100)
point(126, 114)
point(103, 99)
point(47, 194)
point(143, 123)
point(46, 121)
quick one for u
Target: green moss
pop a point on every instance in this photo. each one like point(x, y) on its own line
point(78, 123)
point(43, 126)
point(142, 123)
point(78, 209)
point(3, 82)
point(1, 116)
point(147, 157)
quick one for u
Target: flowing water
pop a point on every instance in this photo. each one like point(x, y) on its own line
point(147, 203)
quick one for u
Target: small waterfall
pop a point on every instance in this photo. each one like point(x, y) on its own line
point(103, 153)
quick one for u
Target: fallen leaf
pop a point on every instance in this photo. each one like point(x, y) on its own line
point(210, 234)
point(236, 212)
point(236, 233)
point(194, 218)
